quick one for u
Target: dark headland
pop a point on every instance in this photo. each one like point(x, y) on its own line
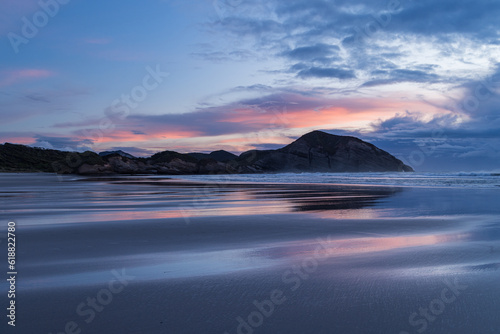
point(316, 151)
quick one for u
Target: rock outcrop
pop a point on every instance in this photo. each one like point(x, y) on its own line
point(318, 151)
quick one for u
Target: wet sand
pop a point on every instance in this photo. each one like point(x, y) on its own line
point(152, 255)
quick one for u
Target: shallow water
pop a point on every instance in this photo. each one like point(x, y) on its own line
point(205, 257)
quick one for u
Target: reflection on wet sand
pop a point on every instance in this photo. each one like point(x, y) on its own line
point(212, 199)
point(201, 254)
point(115, 199)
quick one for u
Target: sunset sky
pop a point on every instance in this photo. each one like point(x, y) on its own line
point(419, 79)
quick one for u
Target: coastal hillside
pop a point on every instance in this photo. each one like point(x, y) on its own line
point(316, 151)
point(22, 158)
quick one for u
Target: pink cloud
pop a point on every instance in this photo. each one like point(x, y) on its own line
point(33, 73)
point(15, 76)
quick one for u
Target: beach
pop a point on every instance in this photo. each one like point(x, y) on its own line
point(141, 254)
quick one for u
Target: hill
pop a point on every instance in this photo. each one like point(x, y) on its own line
point(319, 151)
point(313, 152)
point(221, 155)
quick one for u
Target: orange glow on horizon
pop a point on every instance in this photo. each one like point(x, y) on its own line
point(128, 136)
point(258, 127)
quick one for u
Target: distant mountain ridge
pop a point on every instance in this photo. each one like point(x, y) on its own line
point(316, 151)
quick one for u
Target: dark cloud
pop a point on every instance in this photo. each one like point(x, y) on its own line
point(274, 108)
point(302, 30)
point(318, 72)
point(478, 18)
point(401, 75)
point(279, 101)
point(256, 87)
point(426, 17)
point(308, 53)
point(135, 132)
point(37, 98)
point(242, 116)
point(209, 122)
point(481, 98)
point(298, 67)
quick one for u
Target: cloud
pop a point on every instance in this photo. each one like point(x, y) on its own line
point(315, 52)
point(272, 111)
point(27, 106)
point(36, 98)
point(32, 73)
point(394, 75)
point(256, 87)
point(401, 75)
point(224, 56)
point(450, 16)
point(411, 123)
point(383, 36)
point(62, 143)
point(12, 77)
point(317, 72)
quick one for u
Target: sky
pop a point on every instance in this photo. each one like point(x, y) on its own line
point(417, 78)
